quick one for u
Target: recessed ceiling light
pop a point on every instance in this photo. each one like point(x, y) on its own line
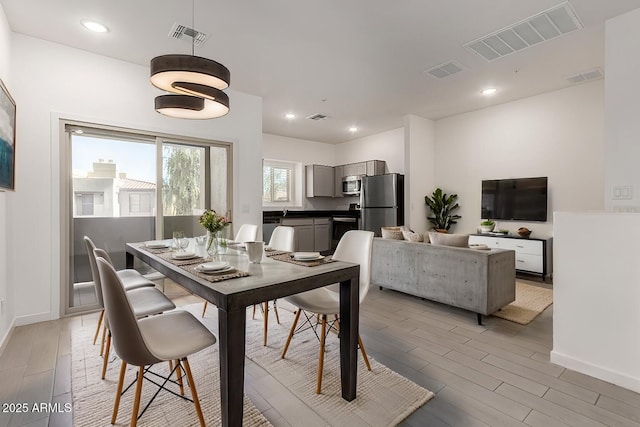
point(290, 116)
point(94, 26)
point(353, 129)
point(489, 91)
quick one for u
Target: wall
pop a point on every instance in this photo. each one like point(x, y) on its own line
point(596, 294)
point(6, 310)
point(84, 86)
point(388, 146)
point(557, 134)
point(307, 152)
point(622, 44)
point(597, 273)
point(419, 151)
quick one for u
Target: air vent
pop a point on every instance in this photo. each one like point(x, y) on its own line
point(539, 28)
point(181, 32)
point(584, 76)
point(445, 70)
point(317, 116)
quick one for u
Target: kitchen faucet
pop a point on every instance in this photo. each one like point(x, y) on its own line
point(284, 211)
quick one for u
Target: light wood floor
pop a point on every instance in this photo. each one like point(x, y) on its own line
point(497, 374)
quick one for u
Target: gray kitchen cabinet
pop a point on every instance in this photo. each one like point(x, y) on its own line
point(321, 234)
point(304, 238)
point(355, 169)
point(337, 181)
point(311, 234)
point(320, 181)
point(376, 167)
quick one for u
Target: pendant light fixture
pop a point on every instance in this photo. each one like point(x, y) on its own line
point(195, 84)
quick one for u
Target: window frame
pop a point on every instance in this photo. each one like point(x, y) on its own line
point(294, 190)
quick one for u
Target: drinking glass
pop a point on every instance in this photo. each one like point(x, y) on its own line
point(178, 237)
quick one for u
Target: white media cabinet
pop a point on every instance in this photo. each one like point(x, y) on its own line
point(532, 255)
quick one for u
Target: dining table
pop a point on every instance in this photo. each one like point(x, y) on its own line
point(270, 279)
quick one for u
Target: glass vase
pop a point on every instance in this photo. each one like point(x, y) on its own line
point(222, 242)
point(212, 243)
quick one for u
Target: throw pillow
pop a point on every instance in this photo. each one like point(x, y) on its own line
point(392, 233)
point(411, 236)
point(444, 239)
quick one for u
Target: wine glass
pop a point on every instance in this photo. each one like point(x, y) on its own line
point(178, 237)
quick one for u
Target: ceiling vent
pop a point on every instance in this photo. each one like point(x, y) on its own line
point(317, 116)
point(584, 76)
point(181, 32)
point(539, 28)
point(445, 70)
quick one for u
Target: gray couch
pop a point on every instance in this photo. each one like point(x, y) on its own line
point(481, 281)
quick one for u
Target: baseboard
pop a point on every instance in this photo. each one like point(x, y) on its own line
point(5, 340)
point(595, 371)
point(32, 318)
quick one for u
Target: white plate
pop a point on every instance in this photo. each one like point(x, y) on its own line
point(213, 266)
point(222, 270)
point(156, 244)
point(183, 255)
point(308, 259)
point(301, 256)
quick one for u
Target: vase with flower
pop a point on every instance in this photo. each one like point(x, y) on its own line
point(214, 223)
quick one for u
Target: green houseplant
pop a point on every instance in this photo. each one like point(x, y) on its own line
point(442, 206)
point(487, 225)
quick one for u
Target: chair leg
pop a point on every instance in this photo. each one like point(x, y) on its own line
point(204, 309)
point(265, 322)
point(321, 355)
point(105, 358)
point(104, 333)
point(179, 375)
point(194, 392)
point(275, 310)
point(364, 353)
point(253, 315)
point(136, 401)
point(116, 403)
point(95, 337)
point(293, 328)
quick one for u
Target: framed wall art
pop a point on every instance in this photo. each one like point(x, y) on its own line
point(7, 139)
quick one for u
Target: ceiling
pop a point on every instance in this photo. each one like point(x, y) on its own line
point(360, 62)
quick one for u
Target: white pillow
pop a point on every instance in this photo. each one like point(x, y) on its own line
point(444, 239)
point(411, 236)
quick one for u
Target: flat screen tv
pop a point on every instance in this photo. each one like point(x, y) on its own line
point(521, 199)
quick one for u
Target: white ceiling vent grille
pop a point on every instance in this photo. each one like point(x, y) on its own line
point(584, 76)
point(317, 116)
point(544, 26)
point(445, 70)
point(182, 32)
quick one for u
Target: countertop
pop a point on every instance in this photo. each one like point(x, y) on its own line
point(276, 216)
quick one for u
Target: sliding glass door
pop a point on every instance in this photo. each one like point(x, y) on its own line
point(121, 182)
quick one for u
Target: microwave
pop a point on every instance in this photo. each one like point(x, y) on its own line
point(351, 185)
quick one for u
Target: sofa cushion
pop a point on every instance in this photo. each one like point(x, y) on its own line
point(444, 239)
point(412, 236)
point(392, 233)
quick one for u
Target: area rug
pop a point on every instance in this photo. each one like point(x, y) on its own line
point(384, 398)
point(530, 302)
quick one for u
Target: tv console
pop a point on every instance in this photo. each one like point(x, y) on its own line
point(533, 255)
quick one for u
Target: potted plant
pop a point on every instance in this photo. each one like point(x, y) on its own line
point(487, 225)
point(442, 206)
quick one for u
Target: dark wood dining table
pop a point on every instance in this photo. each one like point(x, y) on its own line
point(271, 279)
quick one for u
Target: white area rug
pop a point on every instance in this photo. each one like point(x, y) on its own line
point(384, 397)
point(530, 302)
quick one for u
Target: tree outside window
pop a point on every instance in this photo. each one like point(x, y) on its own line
point(277, 182)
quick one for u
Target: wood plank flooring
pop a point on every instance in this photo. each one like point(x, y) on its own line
point(497, 374)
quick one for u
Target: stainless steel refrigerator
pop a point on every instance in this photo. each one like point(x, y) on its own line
point(382, 202)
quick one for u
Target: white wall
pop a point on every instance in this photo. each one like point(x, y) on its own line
point(596, 275)
point(622, 44)
point(388, 146)
point(84, 86)
point(557, 134)
point(276, 147)
point(6, 316)
point(420, 175)
point(596, 294)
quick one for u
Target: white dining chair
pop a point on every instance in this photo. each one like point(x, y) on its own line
point(246, 233)
point(282, 239)
point(354, 246)
point(170, 337)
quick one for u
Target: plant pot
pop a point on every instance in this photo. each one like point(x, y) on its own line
point(487, 228)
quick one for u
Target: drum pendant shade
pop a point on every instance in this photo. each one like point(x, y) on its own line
point(192, 107)
point(166, 70)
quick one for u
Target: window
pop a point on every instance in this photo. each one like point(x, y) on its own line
point(278, 182)
point(85, 204)
point(140, 203)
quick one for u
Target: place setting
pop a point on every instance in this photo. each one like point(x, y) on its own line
point(156, 246)
point(216, 271)
point(307, 259)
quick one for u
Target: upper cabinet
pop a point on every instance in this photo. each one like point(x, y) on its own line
point(337, 181)
point(354, 169)
point(376, 167)
point(320, 180)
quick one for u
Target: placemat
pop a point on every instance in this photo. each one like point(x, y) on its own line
point(273, 252)
point(286, 257)
point(216, 277)
point(181, 262)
